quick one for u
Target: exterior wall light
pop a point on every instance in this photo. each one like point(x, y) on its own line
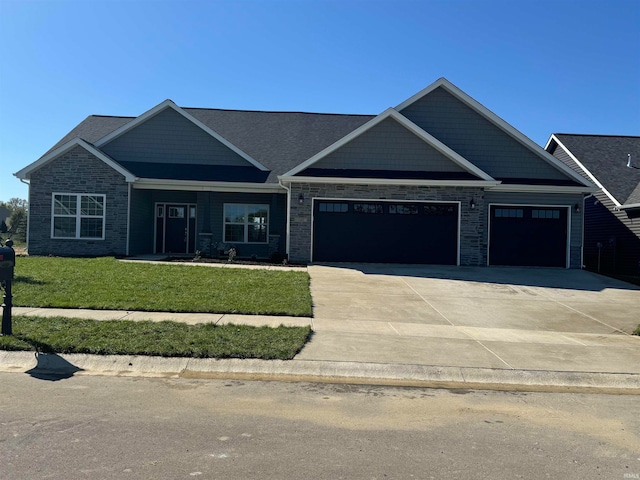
point(576, 207)
point(472, 204)
point(300, 199)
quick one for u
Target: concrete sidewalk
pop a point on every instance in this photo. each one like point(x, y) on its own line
point(468, 327)
point(395, 353)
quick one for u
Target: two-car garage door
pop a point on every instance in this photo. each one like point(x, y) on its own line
point(385, 232)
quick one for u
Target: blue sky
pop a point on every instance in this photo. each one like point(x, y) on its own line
point(567, 66)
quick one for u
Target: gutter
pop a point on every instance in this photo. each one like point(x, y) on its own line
point(386, 181)
point(629, 206)
point(28, 209)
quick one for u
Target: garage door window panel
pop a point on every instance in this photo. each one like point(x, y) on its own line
point(393, 232)
point(528, 236)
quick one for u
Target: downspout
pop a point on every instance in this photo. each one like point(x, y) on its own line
point(28, 211)
point(126, 250)
point(288, 234)
point(584, 204)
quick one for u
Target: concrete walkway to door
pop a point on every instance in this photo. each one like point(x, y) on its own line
point(500, 318)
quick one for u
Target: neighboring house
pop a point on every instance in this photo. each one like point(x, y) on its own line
point(4, 214)
point(612, 214)
point(437, 180)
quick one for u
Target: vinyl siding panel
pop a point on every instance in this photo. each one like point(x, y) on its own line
point(141, 240)
point(142, 218)
point(569, 200)
point(168, 137)
point(211, 219)
point(389, 146)
point(476, 138)
point(618, 234)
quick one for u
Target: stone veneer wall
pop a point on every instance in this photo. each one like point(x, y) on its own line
point(473, 246)
point(77, 171)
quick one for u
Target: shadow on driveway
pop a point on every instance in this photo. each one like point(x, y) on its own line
point(523, 276)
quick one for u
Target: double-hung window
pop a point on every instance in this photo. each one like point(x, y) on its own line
point(80, 216)
point(246, 223)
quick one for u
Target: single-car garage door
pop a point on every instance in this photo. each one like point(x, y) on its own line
point(385, 232)
point(521, 235)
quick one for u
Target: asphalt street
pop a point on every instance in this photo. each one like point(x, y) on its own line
point(139, 428)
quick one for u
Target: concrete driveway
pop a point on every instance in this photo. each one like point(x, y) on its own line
point(514, 318)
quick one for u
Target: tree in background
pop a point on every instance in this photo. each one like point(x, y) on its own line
point(17, 223)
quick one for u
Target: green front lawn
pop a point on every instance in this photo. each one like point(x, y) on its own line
point(167, 339)
point(106, 283)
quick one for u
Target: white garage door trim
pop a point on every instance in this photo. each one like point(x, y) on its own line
point(569, 222)
point(386, 200)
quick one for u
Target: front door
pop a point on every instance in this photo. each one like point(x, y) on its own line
point(175, 228)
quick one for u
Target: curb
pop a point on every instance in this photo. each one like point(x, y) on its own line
point(41, 364)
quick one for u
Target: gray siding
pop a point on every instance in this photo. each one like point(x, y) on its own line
point(143, 215)
point(616, 231)
point(472, 249)
point(389, 146)
point(77, 171)
point(168, 137)
point(142, 218)
point(209, 221)
point(476, 139)
point(211, 218)
point(570, 200)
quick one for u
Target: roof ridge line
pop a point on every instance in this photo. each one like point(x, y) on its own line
point(280, 111)
point(598, 135)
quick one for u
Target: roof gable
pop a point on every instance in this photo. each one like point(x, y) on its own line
point(61, 150)
point(158, 143)
point(603, 159)
point(329, 154)
point(483, 138)
point(389, 145)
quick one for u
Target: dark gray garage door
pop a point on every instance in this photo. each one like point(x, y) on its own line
point(528, 236)
point(385, 232)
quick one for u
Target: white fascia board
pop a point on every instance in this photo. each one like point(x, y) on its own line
point(583, 168)
point(170, 104)
point(25, 172)
point(497, 121)
point(414, 98)
point(202, 186)
point(540, 188)
point(388, 181)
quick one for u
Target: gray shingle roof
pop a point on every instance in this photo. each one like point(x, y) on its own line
point(605, 156)
point(92, 129)
point(278, 140)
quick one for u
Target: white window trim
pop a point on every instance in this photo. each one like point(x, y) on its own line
point(78, 215)
point(246, 223)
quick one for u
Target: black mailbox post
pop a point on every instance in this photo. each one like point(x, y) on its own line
point(7, 266)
